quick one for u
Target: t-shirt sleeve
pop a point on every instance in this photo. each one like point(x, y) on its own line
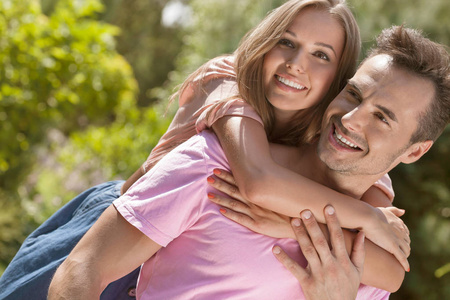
point(235, 107)
point(385, 185)
point(372, 293)
point(166, 201)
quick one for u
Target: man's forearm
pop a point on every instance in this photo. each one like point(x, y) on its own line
point(74, 280)
point(111, 249)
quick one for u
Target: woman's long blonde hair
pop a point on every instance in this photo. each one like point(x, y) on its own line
point(249, 66)
point(249, 58)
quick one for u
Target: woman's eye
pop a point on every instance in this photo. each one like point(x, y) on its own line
point(323, 56)
point(286, 42)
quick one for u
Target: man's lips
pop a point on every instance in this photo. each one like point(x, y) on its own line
point(341, 142)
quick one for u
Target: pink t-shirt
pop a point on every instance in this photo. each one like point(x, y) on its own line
point(205, 255)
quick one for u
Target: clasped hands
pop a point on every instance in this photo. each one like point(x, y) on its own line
point(327, 270)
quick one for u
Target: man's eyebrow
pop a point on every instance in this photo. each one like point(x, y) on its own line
point(317, 44)
point(387, 112)
point(391, 115)
point(354, 86)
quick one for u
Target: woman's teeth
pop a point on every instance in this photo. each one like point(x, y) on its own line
point(290, 83)
point(341, 139)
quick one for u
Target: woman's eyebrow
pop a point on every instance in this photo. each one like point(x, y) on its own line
point(317, 43)
point(326, 46)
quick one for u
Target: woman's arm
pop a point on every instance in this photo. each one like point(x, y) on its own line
point(376, 197)
point(267, 184)
point(111, 249)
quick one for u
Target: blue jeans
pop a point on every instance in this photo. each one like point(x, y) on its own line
point(29, 274)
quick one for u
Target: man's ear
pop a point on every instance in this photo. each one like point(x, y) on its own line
point(416, 151)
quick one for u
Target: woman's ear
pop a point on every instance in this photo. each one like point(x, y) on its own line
point(416, 151)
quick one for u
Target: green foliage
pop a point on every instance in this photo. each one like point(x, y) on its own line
point(148, 45)
point(422, 189)
point(429, 16)
point(117, 150)
point(11, 233)
point(58, 71)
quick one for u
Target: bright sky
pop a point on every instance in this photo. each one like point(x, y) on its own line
point(175, 12)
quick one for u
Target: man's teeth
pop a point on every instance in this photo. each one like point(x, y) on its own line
point(344, 141)
point(290, 83)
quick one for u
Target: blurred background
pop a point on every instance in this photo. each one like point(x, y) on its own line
point(84, 87)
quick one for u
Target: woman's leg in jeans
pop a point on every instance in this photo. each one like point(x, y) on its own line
point(29, 274)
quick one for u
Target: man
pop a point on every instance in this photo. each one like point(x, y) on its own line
point(391, 111)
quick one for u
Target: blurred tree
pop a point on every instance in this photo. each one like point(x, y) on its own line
point(149, 45)
point(59, 71)
point(429, 16)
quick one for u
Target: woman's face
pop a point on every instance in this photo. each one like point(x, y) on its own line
point(299, 70)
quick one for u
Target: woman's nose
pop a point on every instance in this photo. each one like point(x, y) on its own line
point(297, 62)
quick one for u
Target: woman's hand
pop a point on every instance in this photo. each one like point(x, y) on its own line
point(391, 234)
point(249, 215)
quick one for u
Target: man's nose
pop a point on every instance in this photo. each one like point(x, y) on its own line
point(355, 120)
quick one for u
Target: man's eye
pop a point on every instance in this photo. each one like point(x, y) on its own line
point(382, 118)
point(286, 42)
point(354, 95)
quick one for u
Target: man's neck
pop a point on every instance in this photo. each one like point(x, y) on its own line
point(306, 162)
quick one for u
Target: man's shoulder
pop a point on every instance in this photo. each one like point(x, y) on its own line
point(204, 142)
point(209, 141)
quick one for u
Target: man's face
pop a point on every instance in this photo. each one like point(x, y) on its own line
point(367, 128)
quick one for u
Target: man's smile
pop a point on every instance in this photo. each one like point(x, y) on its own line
point(339, 140)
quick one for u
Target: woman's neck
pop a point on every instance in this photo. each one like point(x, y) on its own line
point(282, 122)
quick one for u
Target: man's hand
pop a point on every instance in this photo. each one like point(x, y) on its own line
point(330, 274)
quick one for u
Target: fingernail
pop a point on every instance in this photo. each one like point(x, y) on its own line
point(210, 179)
point(223, 210)
point(276, 250)
point(211, 196)
point(330, 210)
point(306, 214)
point(296, 222)
point(217, 171)
point(408, 270)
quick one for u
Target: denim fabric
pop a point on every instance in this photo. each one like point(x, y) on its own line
point(29, 274)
